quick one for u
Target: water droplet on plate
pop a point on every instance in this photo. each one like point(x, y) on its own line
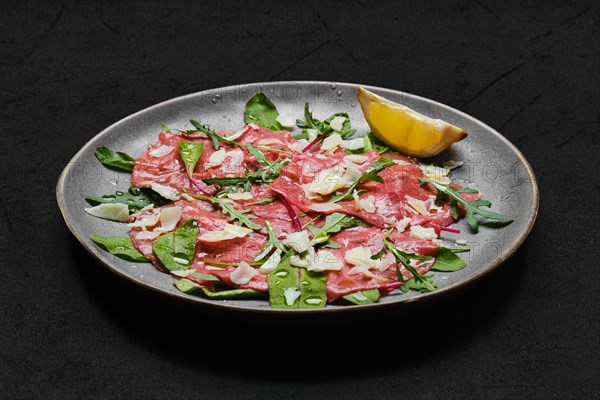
point(333, 86)
point(214, 101)
point(218, 96)
point(114, 181)
point(339, 93)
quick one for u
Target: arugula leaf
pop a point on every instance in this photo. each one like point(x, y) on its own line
point(119, 246)
point(373, 143)
point(210, 133)
point(421, 282)
point(205, 277)
point(115, 159)
point(175, 250)
point(369, 175)
point(228, 209)
point(190, 154)
point(136, 199)
point(363, 296)
point(266, 200)
point(272, 243)
point(310, 122)
point(189, 287)
point(333, 223)
point(346, 131)
point(472, 207)
point(447, 261)
point(261, 111)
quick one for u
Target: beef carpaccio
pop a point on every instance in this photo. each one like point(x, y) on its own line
point(321, 217)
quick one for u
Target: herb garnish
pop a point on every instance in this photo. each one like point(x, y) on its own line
point(261, 111)
point(472, 207)
point(115, 159)
point(136, 199)
point(119, 246)
point(369, 175)
point(228, 209)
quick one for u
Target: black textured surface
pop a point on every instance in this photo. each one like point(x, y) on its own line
point(70, 329)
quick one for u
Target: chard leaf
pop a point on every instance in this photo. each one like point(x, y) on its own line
point(190, 154)
point(363, 296)
point(472, 207)
point(284, 277)
point(119, 246)
point(232, 212)
point(175, 250)
point(136, 199)
point(369, 175)
point(262, 112)
point(333, 223)
point(189, 287)
point(447, 261)
point(313, 289)
point(115, 159)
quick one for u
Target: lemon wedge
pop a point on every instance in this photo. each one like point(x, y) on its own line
point(404, 129)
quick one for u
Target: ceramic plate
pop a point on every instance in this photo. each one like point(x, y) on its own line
point(491, 164)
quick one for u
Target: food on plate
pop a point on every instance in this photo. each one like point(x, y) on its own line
point(406, 130)
point(303, 217)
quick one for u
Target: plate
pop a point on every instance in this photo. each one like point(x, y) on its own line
point(491, 164)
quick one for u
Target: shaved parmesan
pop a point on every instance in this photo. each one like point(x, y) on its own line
point(327, 181)
point(402, 224)
point(271, 263)
point(215, 159)
point(451, 164)
point(269, 141)
point(353, 144)
point(417, 205)
point(291, 294)
point(367, 204)
point(286, 121)
point(298, 241)
point(331, 142)
point(355, 159)
point(418, 232)
point(240, 196)
point(298, 146)
point(113, 211)
point(167, 192)
point(169, 217)
point(436, 174)
point(237, 134)
point(365, 271)
point(144, 235)
point(312, 134)
point(243, 274)
point(337, 123)
point(213, 268)
point(182, 272)
point(145, 222)
point(161, 151)
point(324, 207)
point(352, 175)
point(323, 261)
point(229, 232)
point(298, 261)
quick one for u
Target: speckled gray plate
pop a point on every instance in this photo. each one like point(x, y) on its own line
point(492, 165)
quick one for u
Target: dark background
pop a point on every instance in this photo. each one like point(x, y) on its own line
point(69, 329)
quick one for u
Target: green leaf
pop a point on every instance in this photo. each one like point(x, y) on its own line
point(178, 245)
point(262, 112)
point(115, 159)
point(119, 246)
point(346, 131)
point(447, 261)
point(266, 200)
point(193, 288)
point(372, 143)
point(271, 244)
point(472, 207)
point(313, 289)
point(421, 282)
point(190, 154)
point(211, 134)
point(136, 199)
point(228, 209)
point(333, 223)
point(369, 175)
point(284, 277)
point(205, 277)
point(363, 296)
point(310, 122)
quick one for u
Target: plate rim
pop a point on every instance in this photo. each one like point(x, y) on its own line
point(215, 305)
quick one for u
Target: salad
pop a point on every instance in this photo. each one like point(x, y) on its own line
point(301, 212)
